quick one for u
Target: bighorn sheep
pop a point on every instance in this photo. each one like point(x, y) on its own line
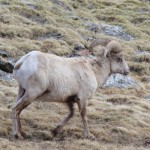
point(47, 77)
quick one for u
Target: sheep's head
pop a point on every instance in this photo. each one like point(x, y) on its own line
point(116, 58)
point(118, 64)
point(113, 52)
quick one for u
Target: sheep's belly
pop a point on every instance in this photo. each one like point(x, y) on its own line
point(49, 97)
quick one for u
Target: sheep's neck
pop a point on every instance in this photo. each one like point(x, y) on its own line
point(101, 69)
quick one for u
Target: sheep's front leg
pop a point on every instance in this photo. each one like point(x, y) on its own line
point(82, 109)
point(59, 127)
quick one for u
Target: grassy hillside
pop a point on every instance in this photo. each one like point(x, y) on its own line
point(119, 118)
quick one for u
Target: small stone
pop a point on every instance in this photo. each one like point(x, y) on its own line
point(142, 53)
point(89, 38)
point(120, 81)
point(62, 4)
point(3, 53)
point(93, 27)
point(78, 47)
point(29, 4)
point(49, 35)
point(6, 76)
point(6, 66)
point(75, 17)
point(147, 97)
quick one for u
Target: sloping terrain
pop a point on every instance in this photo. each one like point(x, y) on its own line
point(119, 118)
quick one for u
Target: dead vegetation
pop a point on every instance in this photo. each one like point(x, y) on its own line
point(119, 118)
point(116, 120)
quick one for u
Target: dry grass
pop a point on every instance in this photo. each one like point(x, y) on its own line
point(118, 121)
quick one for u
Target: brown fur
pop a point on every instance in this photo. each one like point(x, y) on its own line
point(18, 66)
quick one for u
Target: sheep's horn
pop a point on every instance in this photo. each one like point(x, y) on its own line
point(114, 47)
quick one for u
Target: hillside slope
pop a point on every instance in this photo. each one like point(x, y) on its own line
point(119, 118)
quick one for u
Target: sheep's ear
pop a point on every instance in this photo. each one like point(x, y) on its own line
point(99, 51)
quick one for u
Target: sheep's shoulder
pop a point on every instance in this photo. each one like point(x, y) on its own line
point(82, 61)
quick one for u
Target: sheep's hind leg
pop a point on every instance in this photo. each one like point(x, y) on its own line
point(21, 92)
point(82, 109)
point(59, 127)
point(22, 103)
point(16, 110)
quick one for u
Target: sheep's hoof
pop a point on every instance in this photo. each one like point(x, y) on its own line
point(90, 136)
point(23, 134)
point(18, 136)
point(56, 131)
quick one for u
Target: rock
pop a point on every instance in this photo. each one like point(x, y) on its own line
point(146, 0)
point(108, 30)
point(78, 47)
point(93, 27)
point(50, 35)
point(26, 1)
point(115, 31)
point(147, 97)
point(120, 81)
point(29, 4)
point(75, 17)
point(6, 66)
point(89, 38)
point(62, 4)
point(142, 53)
point(11, 60)
point(6, 76)
point(3, 53)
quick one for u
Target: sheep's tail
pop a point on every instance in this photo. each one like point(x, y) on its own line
point(20, 62)
point(18, 65)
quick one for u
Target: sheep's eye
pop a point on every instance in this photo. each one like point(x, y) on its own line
point(119, 59)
